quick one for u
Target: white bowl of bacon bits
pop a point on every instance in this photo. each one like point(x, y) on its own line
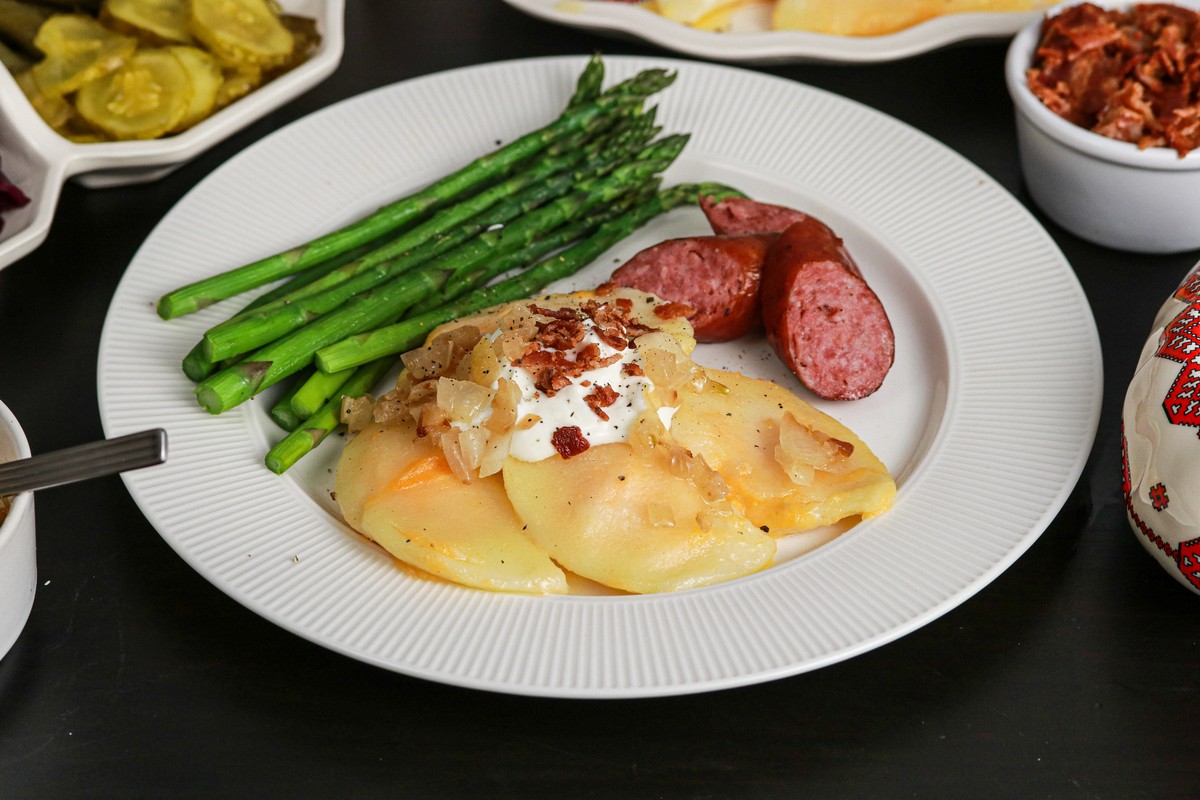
point(18, 566)
point(1107, 101)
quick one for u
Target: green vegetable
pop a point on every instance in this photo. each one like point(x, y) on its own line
point(313, 430)
point(455, 186)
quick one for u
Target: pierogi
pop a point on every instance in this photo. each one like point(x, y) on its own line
point(574, 434)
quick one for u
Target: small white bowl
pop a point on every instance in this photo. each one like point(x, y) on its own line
point(39, 161)
point(18, 563)
point(1103, 190)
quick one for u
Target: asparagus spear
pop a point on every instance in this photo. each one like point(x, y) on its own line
point(236, 384)
point(551, 179)
point(313, 430)
point(281, 413)
point(409, 333)
point(589, 83)
point(198, 366)
point(454, 186)
point(316, 391)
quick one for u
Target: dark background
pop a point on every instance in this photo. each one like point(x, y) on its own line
point(1073, 675)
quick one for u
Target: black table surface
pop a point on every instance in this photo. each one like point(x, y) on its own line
point(1073, 675)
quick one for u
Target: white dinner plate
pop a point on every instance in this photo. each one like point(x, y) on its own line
point(750, 41)
point(986, 418)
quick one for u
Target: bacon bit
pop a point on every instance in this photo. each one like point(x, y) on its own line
point(601, 398)
point(673, 310)
point(1129, 75)
point(554, 313)
point(607, 288)
point(569, 441)
point(560, 334)
point(624, 303)
point(589, 358)
point(633, 368)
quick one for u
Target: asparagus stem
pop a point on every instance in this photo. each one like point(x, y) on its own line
point(313, 430)
point(499, 205)
point(479, 172)
point(409, 333)
point(197, 366)
point(281, 413)
point(316, 391)
point(232, 386)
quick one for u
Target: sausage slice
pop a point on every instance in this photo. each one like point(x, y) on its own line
point(740, 215)
point(717, 276)
point(821, 318)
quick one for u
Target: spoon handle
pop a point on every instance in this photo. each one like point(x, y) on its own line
point(84, 461)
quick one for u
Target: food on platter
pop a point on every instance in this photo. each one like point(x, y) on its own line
point(878, 17)
point(575, 433)
point(142, 69)
point(787, 268)
point(835, 17)
point(1128, 74)
point(11, 196)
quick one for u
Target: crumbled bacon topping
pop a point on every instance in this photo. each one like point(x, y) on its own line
point(551, 357)
point(673, 310)
point(1130, 75)
point(569, 441)
point(600, 398)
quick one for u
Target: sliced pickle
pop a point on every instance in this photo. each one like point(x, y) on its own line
point(144, 99)
point(52, 108)
point(156, 21)
point(238, 82)
point(205, 76)
point(306, 37)
point(78, 50)
point(242, 32)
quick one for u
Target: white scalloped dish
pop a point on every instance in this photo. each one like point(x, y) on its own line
point(749, 42)
point(40, 161)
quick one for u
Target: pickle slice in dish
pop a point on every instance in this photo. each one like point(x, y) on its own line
point(157, 21)
point(242, 31)
point(206, 79)
point(78, 50)
point(144, 99)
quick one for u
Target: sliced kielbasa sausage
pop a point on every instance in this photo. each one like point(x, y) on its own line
point(717, 276)
point(739, 215)
point(821, 318)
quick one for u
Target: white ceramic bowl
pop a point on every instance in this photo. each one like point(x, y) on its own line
point(39, 161)
point(1160, 449)
point(18, 565)
point(1100, 189)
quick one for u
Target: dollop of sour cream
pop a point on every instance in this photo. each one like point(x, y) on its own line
point(568, 406)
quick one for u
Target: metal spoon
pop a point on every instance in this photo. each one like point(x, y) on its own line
point(84, 461)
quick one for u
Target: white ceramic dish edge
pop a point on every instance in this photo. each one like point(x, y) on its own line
point(18, 562)
point(39, 161)
point(774, 47)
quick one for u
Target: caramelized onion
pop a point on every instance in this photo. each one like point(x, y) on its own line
point(462, 400)
point(801, 451)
